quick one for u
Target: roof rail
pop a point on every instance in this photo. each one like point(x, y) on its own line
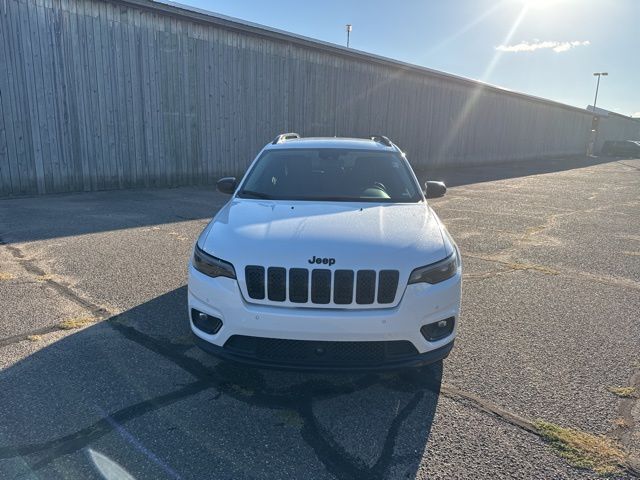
point(381, 139)
point(285, 136)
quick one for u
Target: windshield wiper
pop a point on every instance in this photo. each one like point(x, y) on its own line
point(254, 194)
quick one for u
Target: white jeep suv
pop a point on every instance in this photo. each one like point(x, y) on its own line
point(326, 257)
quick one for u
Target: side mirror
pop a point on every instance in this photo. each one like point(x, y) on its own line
point(434, 189)
point(227, 185)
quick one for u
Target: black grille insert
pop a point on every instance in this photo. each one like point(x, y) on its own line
point(321, 285)
point(366, 287)
point(254, 276)
point(343, 287)
point(277, 284)
point(299, 285)
point(308, 352)
point(387, 285)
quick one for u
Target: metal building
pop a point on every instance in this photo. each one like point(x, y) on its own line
point(104, 94)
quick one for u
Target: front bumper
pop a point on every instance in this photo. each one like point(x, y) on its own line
point(420, 305)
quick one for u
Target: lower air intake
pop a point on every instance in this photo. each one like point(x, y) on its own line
point(321, 353)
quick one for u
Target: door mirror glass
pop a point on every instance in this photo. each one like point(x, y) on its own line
point(227, 185)
point(434, 189)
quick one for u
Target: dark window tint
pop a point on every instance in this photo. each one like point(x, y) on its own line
point(331, 174)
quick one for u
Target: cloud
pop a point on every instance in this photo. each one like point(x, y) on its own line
point(636, 115)
point(537, 45)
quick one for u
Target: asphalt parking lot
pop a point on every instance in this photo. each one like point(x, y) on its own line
point(100, 378)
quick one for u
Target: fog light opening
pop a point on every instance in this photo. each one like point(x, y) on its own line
point(206, 323)
point(438, 330)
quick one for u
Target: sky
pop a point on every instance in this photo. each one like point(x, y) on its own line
point(546, 48)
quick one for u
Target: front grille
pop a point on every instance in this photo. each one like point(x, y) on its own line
point(322, 286)
point(308, 352)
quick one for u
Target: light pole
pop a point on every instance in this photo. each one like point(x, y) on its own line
point(349, 28)
point(598, 74)
point(595, 122)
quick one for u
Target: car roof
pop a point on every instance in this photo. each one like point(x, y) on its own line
point(332, 142)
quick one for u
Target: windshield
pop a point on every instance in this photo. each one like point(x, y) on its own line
point(331, 174)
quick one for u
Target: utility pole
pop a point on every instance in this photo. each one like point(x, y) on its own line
point(349, 28)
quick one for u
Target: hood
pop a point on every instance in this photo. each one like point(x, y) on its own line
point(349, 235)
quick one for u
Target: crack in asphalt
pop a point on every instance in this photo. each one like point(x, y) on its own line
point(41, 454)
point(514, 266)
point(505, 257)
point(488, 406)
point(97, 311)
point(24, 336)
point(337, 460)
point(625, 433)
point(631, 465)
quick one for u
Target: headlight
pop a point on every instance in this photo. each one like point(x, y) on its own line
point(211, 266)
point(436, 272)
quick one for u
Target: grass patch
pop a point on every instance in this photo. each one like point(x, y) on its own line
point(76, 322)
point(244, 391)
point(531, 266)
point(291, 417)
point(183, 340)
point(583, 450)
point(5, 276)
point(621, 422)
point(34, 338)
point(44, 278)
point(623, 392)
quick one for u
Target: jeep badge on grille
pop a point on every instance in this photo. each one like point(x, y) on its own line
point(326, 261)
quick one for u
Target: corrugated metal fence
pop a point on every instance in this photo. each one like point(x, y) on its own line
point(101, 95)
